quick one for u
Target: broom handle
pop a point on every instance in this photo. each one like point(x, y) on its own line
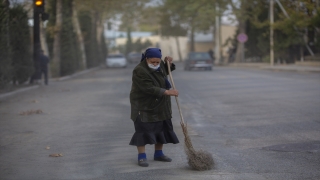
point(174, 87)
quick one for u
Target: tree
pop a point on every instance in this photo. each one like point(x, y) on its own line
point(291, 29)
point(302, 21)
point(56, 53)
point(70, 50)
point(169, 28)
point(240, 9)
point(193, 16)
point(21, 59)
point(129, 41)
point(15, 52)
point(76, 25)
point(131, 14)
point(5, 68)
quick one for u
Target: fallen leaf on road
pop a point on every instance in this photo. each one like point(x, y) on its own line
point(48, 147)
point(30, 112)
point(55, 155)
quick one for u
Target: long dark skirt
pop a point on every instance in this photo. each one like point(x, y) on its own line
point(160, 132)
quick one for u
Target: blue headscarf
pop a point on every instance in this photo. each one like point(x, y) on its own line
point(151, 53)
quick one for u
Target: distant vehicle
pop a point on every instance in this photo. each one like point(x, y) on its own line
point(116, 60)
point(134, 57)
point(198, 60)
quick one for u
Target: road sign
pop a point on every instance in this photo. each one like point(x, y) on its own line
point(242, 38)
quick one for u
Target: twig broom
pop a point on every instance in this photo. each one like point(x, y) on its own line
point(198, 160)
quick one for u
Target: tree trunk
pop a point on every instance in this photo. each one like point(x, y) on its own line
point(99, 28)
point(240, 46)
point(43, 41)
point(192, 49)
point(76, 25)
point(178, 47)
point(44, 44)
point(57, 41)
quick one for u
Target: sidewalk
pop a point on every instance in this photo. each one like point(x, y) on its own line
point(23, 89)
point(289, 67)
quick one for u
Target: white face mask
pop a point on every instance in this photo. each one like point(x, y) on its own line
point(153, 66)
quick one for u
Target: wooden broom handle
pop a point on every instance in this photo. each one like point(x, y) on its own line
point(174, 87)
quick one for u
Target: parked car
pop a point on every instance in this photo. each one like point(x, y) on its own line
point(198, 60)
point(134, 57)
point(116, 60)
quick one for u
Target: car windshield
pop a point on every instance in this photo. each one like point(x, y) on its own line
point(115, 56)
point(135, 55)
point(196, 56)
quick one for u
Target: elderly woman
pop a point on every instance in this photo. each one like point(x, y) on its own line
point(151, 105)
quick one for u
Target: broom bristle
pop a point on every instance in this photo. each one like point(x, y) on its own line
point(198, 160)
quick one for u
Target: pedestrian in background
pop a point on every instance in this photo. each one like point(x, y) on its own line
point(44, 61)
point(211, 53)
point(151, 105)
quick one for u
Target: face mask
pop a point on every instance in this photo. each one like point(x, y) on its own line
point(153, 66)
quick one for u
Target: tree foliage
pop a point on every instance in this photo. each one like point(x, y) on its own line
point(15, 52)
point(292, 32)
point(69, 46)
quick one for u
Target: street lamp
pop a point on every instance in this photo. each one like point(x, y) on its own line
point(38, 9)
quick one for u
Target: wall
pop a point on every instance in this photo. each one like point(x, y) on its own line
point(168, 45)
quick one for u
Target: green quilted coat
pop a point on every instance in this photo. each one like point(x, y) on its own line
point(147, 93)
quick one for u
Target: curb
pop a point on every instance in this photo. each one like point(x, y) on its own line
point(302, 69)
point(278, 68)
point(9, 94)
point(76, 74)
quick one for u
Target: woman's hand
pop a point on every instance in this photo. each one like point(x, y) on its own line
point(171, 92)
point(168, 59)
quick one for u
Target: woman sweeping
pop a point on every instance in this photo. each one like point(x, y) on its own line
point(151, 106)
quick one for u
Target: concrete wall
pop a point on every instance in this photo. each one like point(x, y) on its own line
point(153, 39)
point(227, 31)
point(168, 45)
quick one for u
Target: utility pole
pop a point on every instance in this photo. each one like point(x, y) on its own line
point(271, 33)
point(217, 36)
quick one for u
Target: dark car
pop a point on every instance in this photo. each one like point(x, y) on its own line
point(134, 57)
point(198, 60)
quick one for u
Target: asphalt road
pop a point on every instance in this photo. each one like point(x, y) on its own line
point(258, 124)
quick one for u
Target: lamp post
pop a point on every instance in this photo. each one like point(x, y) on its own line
point(38, 9)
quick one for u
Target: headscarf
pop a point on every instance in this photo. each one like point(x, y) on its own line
point(151, 53)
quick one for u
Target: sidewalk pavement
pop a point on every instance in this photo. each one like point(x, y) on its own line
point(289, 67)
point(20, 90)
